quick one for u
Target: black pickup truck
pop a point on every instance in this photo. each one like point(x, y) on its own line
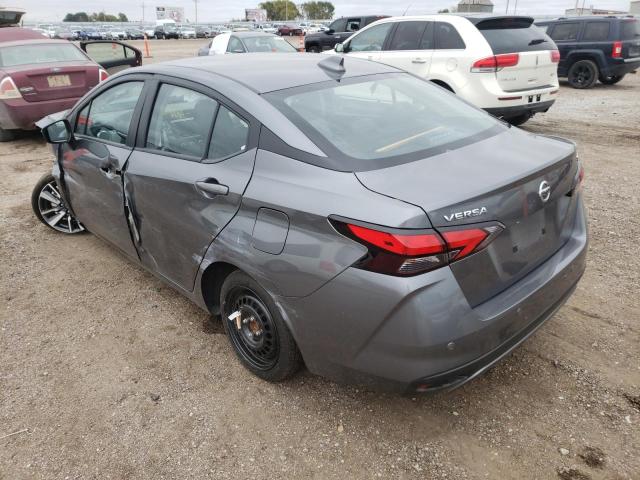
point(338, 32)
point(595, 48)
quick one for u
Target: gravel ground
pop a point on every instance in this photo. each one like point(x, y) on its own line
point(107, 373)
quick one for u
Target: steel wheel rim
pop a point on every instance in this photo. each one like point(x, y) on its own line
point(54, 211)
point(257, 340)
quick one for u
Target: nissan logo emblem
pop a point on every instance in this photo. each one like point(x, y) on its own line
point(544, 191)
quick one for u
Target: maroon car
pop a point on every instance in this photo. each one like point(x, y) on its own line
point(290, 30)
point(40, 76)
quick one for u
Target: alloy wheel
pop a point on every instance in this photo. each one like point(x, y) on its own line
point(54, 211)
point(582, 75)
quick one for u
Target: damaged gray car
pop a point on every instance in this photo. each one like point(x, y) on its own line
point(336, 213)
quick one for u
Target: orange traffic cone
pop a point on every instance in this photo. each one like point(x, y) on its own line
point(147, 52)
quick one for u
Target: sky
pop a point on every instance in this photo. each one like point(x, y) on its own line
point(212, 10)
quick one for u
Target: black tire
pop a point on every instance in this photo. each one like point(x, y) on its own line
point(158, 37)
point(583, 74)
point(518, 120)
point(7, 135)
point(611, 79)
point(264, 343)
point(66, 223)
point(313, 49)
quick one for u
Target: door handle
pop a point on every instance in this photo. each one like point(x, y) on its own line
point(418, 60)
point(212, 187)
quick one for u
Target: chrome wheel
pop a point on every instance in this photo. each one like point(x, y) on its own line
point(54, 212)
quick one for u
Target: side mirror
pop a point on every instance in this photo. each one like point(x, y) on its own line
point(329, 31)
point(58, 132)
point(339, 48)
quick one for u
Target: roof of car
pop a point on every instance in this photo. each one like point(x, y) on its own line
point(245, 34)
point(10, 34)
point(267, 72)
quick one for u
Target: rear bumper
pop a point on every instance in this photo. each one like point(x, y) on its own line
point(420, 333)
point(622, 67)
point(515, 111)
point(18, 114)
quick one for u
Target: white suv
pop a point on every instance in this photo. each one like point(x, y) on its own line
point(503, 64)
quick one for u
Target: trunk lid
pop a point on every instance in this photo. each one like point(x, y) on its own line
point(64, 80)
point(534, 70)
point(496, 180)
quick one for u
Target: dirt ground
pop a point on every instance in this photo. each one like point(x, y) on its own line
point(106, 373)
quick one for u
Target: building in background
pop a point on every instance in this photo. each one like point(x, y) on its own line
point(170, 13)
point(634, 7)
point(258, 15)
point(474, 6)
point(592, 11)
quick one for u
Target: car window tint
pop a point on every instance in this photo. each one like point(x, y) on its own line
point(353, 24)
point(427, 43)
point(565, 31)
point(447, 37)
point(339, 25)
point(407, 36)
point(111, 111)
point(596, 31)
point(181, 121)
point(629, 30)
point(507, 35)
point(230, 134)
point(39, 53)
point(81, 121)
point(371, 39)
point(235, 45)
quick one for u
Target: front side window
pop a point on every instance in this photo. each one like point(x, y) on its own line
point(381, 116)
point(565, 31)
point(596, 31)
point(447, 37)
point(235, 45)
point(230, 135)
point(181, 121)
point(407, 36)
point(339, 25)
point(370, 40)
point(109, 115)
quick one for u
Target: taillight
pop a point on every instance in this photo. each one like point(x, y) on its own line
point(409, 252)
point(555, 56)
point(496, 62)
point(617, 50)
point(8, 89)
point(102, 75)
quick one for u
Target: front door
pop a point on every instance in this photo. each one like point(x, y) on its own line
point(112, 56)
point(368, 43)
point(185, 180)
point(92, 163)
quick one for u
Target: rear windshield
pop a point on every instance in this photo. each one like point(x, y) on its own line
point(383, 116)
point(267, 44)
point(39, 53)
point(629, 30)
point(511, 35)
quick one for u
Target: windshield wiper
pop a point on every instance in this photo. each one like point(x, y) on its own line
point(537, 41)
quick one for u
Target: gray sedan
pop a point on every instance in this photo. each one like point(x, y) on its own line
point(331, 211)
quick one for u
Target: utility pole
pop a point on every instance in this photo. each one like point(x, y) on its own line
point(142, 13)
point(506, 11)
point(196, 2)
point(286, 10)
point(515, 7)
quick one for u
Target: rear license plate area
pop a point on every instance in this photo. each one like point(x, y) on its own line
point(56, 81)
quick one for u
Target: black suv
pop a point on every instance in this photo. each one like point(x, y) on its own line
point(595, 48)
point(165, 32)
point(338, 32)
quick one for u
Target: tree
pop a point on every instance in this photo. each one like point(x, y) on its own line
point(122, 17)
point(446, 10)
point(318, 10)
point(76, 17)
point(280, 10)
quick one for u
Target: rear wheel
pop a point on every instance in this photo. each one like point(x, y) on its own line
point(258, 334)
point(610, 79)
point(583, 74)
point(7, 135)
point(49, 207)
point(518, 120)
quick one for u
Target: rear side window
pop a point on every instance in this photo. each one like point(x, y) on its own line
point(447, 37)
point(181, 121)
point(230, 135)
point(629, 30)
point(370, 40)
point(339, 25)
point(109, 115)
point(596, 31)
point(235, 45)
point(407, 36)
point(509, 35)
point(565, 31)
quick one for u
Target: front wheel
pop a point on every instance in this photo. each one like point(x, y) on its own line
point(583, 74)
point(610, 79)
point(7, 135)
point(49, 207)
point(260, 337)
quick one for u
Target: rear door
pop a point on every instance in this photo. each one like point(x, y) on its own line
point(112, 56)
point(184, 188)
point(535, 68)
point(92, 164)
point(448, 47)
point(410, 47)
